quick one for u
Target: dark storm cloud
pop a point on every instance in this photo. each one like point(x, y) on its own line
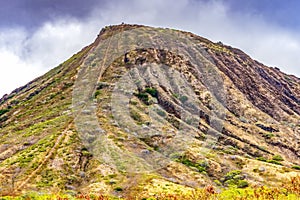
point(33, 13)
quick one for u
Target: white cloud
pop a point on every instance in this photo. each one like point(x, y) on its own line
point(14, 71)
point(24, 56)
point(55, 42)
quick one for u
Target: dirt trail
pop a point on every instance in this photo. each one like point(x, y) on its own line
point(52, 151)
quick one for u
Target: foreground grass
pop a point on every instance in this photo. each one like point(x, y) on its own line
point(288, 191)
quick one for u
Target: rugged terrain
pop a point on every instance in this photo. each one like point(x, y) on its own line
point(142, 110)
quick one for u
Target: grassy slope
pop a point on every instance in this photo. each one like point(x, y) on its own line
point(41, 151)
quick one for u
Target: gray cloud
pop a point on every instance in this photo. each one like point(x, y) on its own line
point(25, 53)
point(33, 13)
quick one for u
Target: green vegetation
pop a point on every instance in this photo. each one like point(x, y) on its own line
point(42, 148)
point(85, 152)
point(97, 93)
point(219, 48)
point(289, 190)
point(144, 95)
point(118, 189)
point(49, 177)
point(262, 159)
point(70, 196)
point(232, 174)
point(200, 166)
point(296, 167)
point(175, 95)
point(268, 135)
point(242, 184)
point(152, 91)
point(274, 162)
point(3, 111)
point(183, 99)
point(235, 179)
point(277, 158)
point(136, 116)
point(161, 112)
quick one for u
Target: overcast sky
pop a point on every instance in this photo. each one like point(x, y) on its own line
point(37, 35)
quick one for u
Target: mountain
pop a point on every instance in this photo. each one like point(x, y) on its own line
point(143, 110)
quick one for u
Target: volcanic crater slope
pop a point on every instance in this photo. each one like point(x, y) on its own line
point(125, 116)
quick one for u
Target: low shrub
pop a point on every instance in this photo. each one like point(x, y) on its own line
point(274, 162)
point(3, 111)
point(200, 166)
point(152, 91)
point(277, 158)
point(242, 184)
point(296, 167)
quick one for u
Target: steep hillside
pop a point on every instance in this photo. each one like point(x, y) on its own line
point(142, 109)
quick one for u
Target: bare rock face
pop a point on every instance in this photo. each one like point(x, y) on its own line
point(272, 91)
point(143, 105)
